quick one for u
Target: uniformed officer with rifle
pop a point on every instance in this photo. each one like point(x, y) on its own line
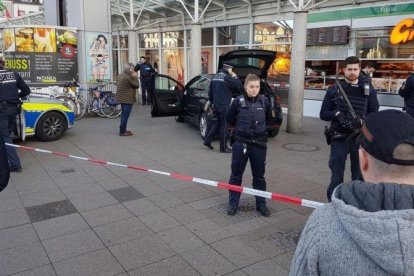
point(346, 104)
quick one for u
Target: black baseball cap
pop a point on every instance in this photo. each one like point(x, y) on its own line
point(383, 131)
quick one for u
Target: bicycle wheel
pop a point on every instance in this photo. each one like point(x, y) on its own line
point(69, 103)
point(107, 110)
point(81, 108)
point(96, 107)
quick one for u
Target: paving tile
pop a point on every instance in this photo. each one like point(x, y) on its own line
point(125, 194)
point(110, 183)
point(193, 193)
point(75, 189)
point(236, 273)
point(171, 266)
point(42, 197)
point(71, 245)
point(22, 258)
point(208, 231)
point(35, 184)
point(17, 236)
point(122, 231)
point(181, 239)
point(246, 226)
point(106, 215)
point(10, 203)
point(46, 270)
point(264, 246)
point(141, 206)
point(207, 261)
point(237, 252)
point(9, 191)
point(50, 210)
point(93, 201)
point(159, 221)
point(265, 268)
point(208, 202)
point(166, 200)
point(94, 263)
point(185, 214)
point(148, 189)
point(137, 253)
point(60, 226)
point(284, 260)
point(13, 218)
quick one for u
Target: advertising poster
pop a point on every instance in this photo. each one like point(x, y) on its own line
point(42, 56)
point(98, 66)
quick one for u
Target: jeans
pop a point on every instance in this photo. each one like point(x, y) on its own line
point(257, 157)
point(337, 159)
point(146, 89)
point(7, 125)
point(126, 111)
point(220, 123)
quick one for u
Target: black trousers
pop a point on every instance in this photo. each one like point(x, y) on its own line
point(219, 124)
point(257, 157)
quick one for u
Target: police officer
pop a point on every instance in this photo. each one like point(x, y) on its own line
point(250, 115)
point(10, 84)
point(146, 72)
point(363, 98)
point(407, 92)
point(223, 87)
point(366, 72)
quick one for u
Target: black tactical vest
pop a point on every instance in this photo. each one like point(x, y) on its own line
point(251, 118)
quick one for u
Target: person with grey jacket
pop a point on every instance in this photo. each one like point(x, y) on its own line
point(368, 228)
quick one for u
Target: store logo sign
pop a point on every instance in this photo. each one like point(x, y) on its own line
point(402, 32)
point(388, 9)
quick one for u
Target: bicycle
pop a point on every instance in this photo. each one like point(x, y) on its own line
point(102, 102)
point(71, 99)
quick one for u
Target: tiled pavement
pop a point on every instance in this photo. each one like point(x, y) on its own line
point(70, 217)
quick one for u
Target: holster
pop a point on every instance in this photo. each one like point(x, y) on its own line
point(331, 134)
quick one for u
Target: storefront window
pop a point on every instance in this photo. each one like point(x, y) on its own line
point(327, 52)
point(233, 35)
point(207, 61)
point(268, 33)
point(124, 42)
point(173, 64)
point(207, 37)
point(150, 40)
point(173, 39)
point(115, 71)
point(375, 44)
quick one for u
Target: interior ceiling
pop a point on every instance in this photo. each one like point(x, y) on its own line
point(157, 10)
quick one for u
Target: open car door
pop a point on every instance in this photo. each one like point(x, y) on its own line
point(168, 97)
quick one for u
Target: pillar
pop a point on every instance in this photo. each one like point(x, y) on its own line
point(195, 57)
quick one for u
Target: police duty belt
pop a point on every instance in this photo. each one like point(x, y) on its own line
point(260, 142)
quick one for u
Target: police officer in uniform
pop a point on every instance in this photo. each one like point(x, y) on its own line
point(10, 84)
point(250, 115)
point(363, 99)
point(223, 87)
point(146, 72)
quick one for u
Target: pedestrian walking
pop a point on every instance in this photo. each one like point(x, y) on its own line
point(368, 227)
point(10, 104)
point(224, 86)
point(145, 71)
point(345, 105)
point(407, 92)
point(249, 115)
point(127, 83)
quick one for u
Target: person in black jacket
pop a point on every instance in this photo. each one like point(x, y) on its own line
point(250, 115)
point(363, 98)
point(4, 165)
point(407, 92)
point(223, 87)
point(146, 71)
point(10, 84)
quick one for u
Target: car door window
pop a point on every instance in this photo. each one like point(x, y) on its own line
point(203, 83)
point(166, 85)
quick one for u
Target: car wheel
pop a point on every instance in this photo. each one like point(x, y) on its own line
point(203, 125)
point(179, 119)
point(51, 126)
point(273, 132)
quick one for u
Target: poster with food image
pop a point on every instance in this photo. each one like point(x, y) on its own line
point(8, 40)
point(44, 40)
point(66, 38)
point(24, 40)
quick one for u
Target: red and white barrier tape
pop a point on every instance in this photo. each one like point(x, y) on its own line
point(220, 185)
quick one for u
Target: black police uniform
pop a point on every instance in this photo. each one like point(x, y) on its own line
point(10, 84)
point(340, 147)
point(146, 72)
point(4, 165)
point(409, 97)
point(250, 117)
point(223, 87)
